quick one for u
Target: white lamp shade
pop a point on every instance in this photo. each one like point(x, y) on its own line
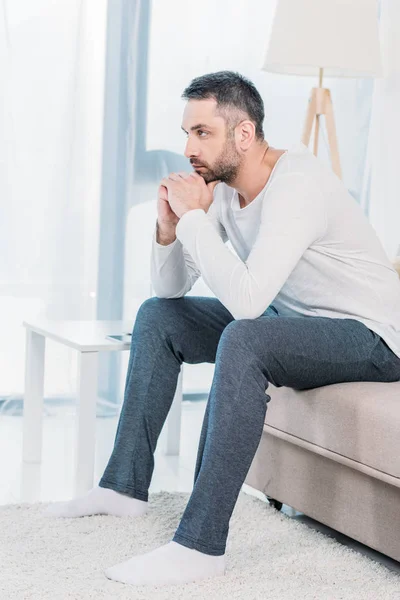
point(340, 36)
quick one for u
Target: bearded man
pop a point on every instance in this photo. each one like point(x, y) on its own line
point(309, 298)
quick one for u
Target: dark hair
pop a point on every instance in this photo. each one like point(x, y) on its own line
point(231, 90)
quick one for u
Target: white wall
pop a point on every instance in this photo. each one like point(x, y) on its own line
point(50, 149)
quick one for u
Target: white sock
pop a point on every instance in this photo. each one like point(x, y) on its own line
point(99, 501)
point(169, 564)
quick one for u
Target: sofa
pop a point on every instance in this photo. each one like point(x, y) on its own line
point(332, 453)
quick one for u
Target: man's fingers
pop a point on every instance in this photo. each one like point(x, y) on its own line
point(162, 192)
point(177, 176)
point(165, 182)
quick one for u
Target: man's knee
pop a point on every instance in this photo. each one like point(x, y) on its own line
point(251, 337)
point(161, 314)
point(155, 309)
point(237, 336)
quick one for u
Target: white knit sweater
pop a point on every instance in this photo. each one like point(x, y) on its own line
point(303, 244)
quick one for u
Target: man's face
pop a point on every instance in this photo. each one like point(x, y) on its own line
point(211, 146)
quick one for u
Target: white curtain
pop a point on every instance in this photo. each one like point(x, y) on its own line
point(381, 196)
point(52, 57)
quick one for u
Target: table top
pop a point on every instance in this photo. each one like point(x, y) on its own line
point(85, 336)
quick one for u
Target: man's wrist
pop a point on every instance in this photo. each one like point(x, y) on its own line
point(165, 234)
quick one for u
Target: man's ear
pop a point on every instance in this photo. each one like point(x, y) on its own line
point(245, 134)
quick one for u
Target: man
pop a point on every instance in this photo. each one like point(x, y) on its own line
point(309, 299)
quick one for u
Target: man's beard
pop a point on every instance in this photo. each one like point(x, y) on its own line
point(225, 168)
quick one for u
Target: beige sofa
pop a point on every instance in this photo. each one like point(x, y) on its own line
point(333, 453)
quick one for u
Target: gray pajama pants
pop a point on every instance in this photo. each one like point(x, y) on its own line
point(298, 352)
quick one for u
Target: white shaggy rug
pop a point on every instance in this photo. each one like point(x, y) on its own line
point(269, 557)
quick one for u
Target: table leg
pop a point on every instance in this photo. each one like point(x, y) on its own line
point(173, 424)
point(33, 397)
point(86, 421)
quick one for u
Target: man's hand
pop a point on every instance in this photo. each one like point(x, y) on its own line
point(188, 191)
point(165, 215)
point(166, 219)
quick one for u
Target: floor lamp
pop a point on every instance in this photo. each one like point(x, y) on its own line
point(332, 38)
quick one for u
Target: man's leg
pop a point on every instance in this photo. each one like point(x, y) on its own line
point(166, 333)
point(301, 353)
point(296, 352)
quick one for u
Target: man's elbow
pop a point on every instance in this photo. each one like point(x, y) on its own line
point(169, 296)
point(246, 313)
point(165, 293)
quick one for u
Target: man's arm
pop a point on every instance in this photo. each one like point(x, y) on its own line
point(173, 270)
point(165, 235)
point(293, 217)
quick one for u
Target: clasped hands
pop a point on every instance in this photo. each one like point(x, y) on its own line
point(188, 191)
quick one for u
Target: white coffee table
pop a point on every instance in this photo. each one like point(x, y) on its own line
point(88, 338)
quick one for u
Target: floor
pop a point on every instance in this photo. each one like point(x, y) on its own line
point(53, 479)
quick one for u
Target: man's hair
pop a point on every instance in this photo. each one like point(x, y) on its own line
point(231, 91)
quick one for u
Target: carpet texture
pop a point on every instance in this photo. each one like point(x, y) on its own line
point(269, 557)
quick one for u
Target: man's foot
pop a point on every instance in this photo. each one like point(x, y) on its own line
point(169, 564)
point(98, 501)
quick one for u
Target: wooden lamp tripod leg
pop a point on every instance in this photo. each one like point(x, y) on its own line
point(311, 113)
point(320, 103)
point(332, 139)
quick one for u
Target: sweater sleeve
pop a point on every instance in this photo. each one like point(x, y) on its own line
point(173, 270)
point(293, 217)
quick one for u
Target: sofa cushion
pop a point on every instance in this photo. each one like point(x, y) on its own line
point(359, 420)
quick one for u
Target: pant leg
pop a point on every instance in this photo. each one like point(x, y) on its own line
point(166, 333)
point(298, 352)
point(270, 312)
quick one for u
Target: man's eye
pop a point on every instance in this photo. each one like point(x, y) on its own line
point(200, 132)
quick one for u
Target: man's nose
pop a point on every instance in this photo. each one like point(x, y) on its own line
point(190, 149)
